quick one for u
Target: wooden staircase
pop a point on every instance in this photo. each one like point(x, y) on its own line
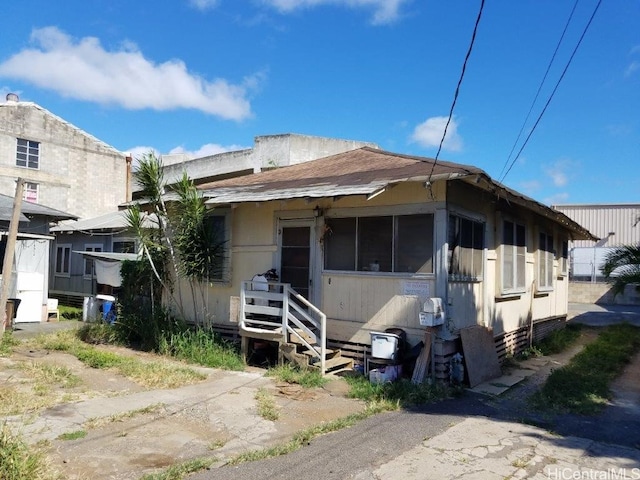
point(275, 312)
point(299, 354)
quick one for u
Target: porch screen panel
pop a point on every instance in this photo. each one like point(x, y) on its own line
point(413, 250)
point(340, 244)
point(295, 258)
point(375, 242)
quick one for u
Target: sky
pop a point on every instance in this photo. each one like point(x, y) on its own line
point(207, 76)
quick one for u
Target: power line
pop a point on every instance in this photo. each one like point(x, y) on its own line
point(544, 79)
point(554, 90)
point(457, 92)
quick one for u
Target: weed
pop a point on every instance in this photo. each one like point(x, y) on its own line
point(202, 347)
point(20, 461)
point(99, 333)
point(559, 340)
point(47, 374)
point(68, 312)
point(402, 392)
point(7, 342)
point(582, 386)
point(267, 407)
point(215, 445)
point(180, 471)
point(73, 435)
point(98, 422)
point(292, 374)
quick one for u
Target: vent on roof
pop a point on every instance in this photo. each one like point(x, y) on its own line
point(12, 97)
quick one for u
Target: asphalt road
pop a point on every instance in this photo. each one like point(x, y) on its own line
point(355, 452)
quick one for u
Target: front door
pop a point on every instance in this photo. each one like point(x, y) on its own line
point(295, 257)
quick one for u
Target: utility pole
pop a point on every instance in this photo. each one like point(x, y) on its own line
point(7, 267)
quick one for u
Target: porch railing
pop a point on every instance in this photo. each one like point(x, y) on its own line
point(271, 307)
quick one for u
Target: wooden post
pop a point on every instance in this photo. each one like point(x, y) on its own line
point(7, 267)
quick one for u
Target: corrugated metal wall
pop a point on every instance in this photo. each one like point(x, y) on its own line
point(615, 225)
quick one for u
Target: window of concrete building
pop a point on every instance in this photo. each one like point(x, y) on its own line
point(27, 153)
point(89, 271)
point(63, 260)
point(392, 243)
point(30, 192)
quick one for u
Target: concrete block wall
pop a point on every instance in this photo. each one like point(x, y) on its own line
point(600, 293)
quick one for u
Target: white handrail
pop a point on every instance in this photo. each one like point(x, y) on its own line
point(290, 300)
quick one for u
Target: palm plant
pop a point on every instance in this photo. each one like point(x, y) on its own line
point(622, 267)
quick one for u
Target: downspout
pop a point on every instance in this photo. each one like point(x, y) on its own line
point(128, 195)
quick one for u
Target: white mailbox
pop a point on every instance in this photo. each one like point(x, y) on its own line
point(432, 313)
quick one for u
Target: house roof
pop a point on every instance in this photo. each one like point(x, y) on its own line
point(356, 172)
point(28, 209)
point(109, 221)
point(364, 171)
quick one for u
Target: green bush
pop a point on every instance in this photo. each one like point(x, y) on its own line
point(18, 461)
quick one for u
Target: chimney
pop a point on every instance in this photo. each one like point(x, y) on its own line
point(13, 97)
point(129, 161)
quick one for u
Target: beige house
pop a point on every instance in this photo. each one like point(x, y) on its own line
point(366, 238)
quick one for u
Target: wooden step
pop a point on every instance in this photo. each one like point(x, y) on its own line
point(332, 364)
point(329, 353)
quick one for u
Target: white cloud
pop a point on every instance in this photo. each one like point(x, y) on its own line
point(558, 171)
point(429, 134)
point(204, 4)
point(384, 11)
point(206, 150)
point(84, 70)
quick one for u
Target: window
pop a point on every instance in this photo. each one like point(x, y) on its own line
point(88, 263)
point(216, 230)
point(564, 259)
point(466, 248)
point(393, 243)
point(123, 245)
point(63, 260)
point(513, 257)
point(545, 261)
point(30, 192)
point(27, 153)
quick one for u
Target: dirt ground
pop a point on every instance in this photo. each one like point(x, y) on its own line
point(131, 431)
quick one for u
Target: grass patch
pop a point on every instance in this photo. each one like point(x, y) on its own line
point(73, 435)
point(98, 422)
point(68, 312)
point(291, 374)
point(559, 340)
point(267, 407)
point(202, 347)
point(99, 333)
point(582, 386)
point(7, 342)
point(49, 374)
point(180, 471)
point(402, 393)
point(19, 461)
point(147, 374)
